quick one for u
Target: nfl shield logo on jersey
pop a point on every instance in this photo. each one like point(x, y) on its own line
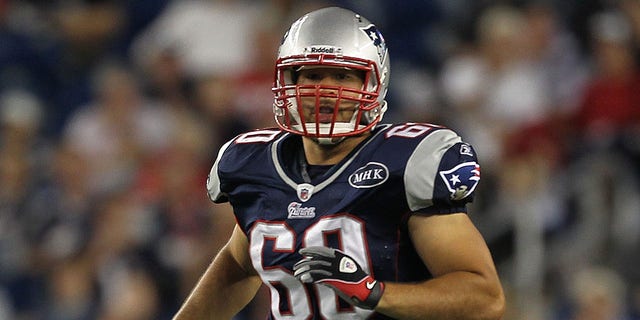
point(305, 191)
point(462, 179)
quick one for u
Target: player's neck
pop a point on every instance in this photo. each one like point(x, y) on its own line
point(318, 154)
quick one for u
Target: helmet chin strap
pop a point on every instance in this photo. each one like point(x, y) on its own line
point(328, 141)
point(324, 128)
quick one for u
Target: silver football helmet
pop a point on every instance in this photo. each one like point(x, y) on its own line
point(336, 38)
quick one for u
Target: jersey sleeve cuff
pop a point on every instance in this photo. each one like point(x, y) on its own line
point(441, 209)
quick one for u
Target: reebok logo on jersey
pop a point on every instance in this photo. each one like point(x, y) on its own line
point(371, 175)
point(462, 179)
point(465, 149)
point(297, 211)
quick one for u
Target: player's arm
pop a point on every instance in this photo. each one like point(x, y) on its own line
point(465, 283)
point(228, 284)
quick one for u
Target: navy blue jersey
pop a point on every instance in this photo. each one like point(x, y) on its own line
point(360, 206)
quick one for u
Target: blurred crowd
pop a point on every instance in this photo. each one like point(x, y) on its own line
point(112, 111)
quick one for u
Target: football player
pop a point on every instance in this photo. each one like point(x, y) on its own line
point(339, 215)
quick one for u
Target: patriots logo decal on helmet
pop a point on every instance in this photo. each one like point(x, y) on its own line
point(462, 179)
point(376, 37)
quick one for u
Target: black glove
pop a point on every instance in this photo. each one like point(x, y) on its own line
point(341, 273)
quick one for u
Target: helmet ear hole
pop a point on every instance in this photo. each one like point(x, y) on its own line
point(294, 76)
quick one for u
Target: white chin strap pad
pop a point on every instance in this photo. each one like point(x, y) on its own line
point(338, 128)
point(329, 141)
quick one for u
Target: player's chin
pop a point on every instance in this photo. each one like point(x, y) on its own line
point(336, 140)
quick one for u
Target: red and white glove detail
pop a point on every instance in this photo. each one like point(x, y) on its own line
point(341, 273)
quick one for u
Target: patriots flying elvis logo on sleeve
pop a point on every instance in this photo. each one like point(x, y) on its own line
point(462, 179)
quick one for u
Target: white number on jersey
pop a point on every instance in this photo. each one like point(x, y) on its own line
point(351, 231)
point(410, 130)
point(265, 135)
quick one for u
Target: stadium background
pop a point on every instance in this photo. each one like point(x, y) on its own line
point(111, 113)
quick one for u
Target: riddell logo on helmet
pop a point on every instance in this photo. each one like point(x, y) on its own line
point(322, 49)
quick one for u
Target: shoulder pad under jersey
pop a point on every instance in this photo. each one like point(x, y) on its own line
point(235, 156)
point(443, 171)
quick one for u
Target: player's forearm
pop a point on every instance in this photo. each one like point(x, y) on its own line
point(223, 290)
point(459, 295)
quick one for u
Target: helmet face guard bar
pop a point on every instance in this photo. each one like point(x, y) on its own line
point(331, 37)
point(292, 101)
